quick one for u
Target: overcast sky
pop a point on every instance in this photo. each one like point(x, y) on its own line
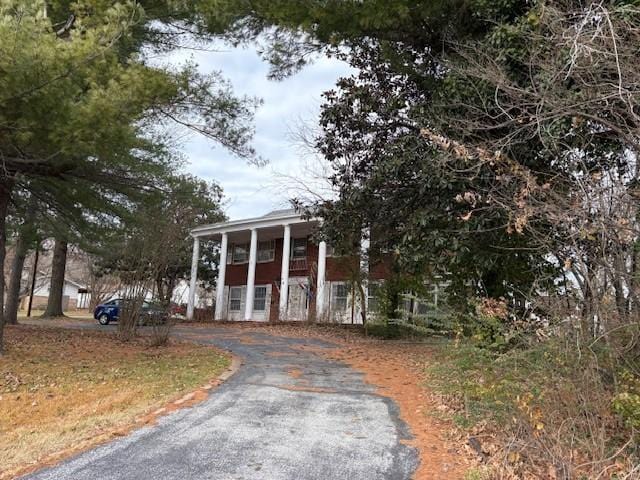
point(250, 190)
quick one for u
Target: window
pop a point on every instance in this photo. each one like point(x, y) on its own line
point(330, 251)
point(241, 253)
point(299, 248)
point(406, 303)
point(230, 256)
point(260, 299)
point(429, 302)
point(339, 297)
point(423, 308)
point(372, 301)
point(235, 299)
point(266, 251)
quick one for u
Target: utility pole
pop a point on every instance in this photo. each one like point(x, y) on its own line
point(33, 278)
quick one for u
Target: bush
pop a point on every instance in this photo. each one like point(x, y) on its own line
point(544, 407)
point(397, 329)
point(491, 325)
point(627, 402)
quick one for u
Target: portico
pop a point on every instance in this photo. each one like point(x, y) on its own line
point(262, 259)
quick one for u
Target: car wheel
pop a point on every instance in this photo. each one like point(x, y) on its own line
point(104, 319)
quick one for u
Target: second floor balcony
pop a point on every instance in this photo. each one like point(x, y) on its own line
point(297, 264)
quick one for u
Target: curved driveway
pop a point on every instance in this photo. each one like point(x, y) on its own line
point(288, 413)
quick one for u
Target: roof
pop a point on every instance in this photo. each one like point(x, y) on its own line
point(42, 273)
point(277, 213)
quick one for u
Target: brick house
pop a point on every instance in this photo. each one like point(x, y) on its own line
point(274, 271)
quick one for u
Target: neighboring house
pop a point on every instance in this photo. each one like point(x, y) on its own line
point(77, 286)
point(274, 271)
point(203, 297)
point(74, 295)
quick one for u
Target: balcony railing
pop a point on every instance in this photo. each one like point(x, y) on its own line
point(298, 264)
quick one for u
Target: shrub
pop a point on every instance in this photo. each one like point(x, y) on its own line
point(544, 410)
point(626, 403)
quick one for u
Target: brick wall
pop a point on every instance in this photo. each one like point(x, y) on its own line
point(338, 269)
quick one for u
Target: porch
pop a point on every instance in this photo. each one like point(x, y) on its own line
point(269, 270)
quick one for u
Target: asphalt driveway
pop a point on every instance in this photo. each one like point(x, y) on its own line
point(288, 413)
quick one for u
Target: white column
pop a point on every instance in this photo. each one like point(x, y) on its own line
point(194, 277)
point(222, 270)
point(364, 271)
point(322, 268)
point(251, 275)
point(284, 272)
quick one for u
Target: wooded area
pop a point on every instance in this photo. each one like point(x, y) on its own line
point(491, 147)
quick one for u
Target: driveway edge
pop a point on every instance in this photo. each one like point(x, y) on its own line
point(188, 400)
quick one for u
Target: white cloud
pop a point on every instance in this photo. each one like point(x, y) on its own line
point(250, 190)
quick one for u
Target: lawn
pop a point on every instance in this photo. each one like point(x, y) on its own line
point(64, 390)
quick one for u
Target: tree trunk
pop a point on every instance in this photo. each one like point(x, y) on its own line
point(5, 195)
point(56, 289)
point(15, 280)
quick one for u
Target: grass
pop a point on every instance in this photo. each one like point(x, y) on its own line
point(539, 411)
point(63, 389)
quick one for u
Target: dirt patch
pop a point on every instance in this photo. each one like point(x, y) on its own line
point(245, 340)
point(295, 373)
point(396, 371)
point(64, 391)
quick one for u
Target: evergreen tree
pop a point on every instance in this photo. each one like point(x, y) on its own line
point(85, 120)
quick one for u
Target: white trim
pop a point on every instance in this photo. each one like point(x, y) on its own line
point(194, 278)
point(249, 224)
point(284, 273)
point(245, 245)
point(222, 270)
point(239, 299)
point(322, 267)
point(251, 275)
point(272, 250)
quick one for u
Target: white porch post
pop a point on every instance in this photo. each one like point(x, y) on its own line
point(364, 269)
point(251, 275)
point(194, 277)
point(284, 272)
point(322, 267)
point(222, 270)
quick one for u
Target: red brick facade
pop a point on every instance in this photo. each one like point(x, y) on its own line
point(338, 269)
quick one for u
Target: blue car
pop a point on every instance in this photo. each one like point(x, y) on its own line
point(108, 311)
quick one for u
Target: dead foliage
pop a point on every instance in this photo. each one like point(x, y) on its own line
point(62, 390)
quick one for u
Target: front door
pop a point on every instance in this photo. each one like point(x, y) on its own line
point(298, 299)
